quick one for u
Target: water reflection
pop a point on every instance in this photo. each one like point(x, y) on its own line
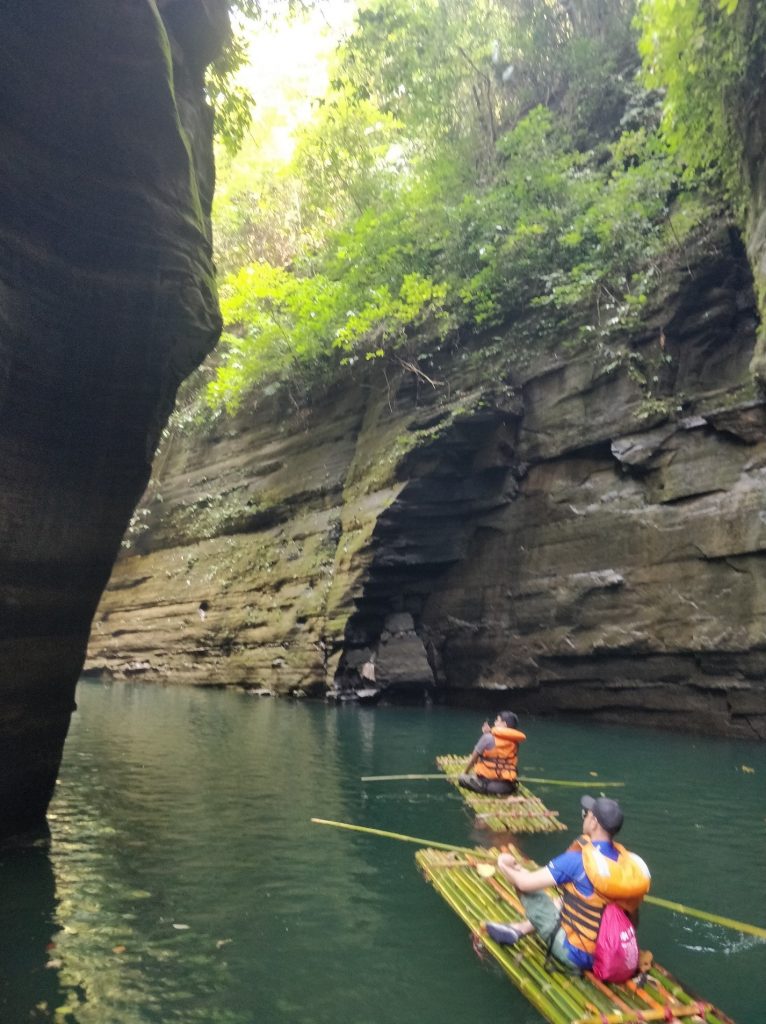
point(191, 887)
point(30, 988)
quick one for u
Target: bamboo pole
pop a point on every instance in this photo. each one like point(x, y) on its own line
point(529, 973)
point(403, 778)
point(663, 977)
point(640, 992)
point(558, 997)
point(557, 1000)
point(549, 996)
point(638, 1016)
point(394, 835)
point(605, 990)
point(726, 922)
point(593, 783)
point(520, 812)
point(526, 967)
point(556, 1006)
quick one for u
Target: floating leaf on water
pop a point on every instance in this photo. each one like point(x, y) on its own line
point(181, 927)
point(222, 942)
point(53, 964)
point(140, 894)
point(119, 949)
point(747, 768)
point(594, 774)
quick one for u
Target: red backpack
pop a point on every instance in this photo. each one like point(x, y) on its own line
point(616, 955)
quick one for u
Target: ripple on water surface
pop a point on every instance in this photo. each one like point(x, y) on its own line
point(185, 882)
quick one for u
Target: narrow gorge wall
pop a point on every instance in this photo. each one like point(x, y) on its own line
point(107, 300)
point(587, 533)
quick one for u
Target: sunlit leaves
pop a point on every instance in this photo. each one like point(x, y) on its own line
point(282, 324)
point(708, 55)
point(278, 322)
point(345, 158)
point(231, 102)
point(466, 165)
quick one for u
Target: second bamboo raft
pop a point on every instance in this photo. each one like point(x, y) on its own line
point(521, 812)
point(560, 998)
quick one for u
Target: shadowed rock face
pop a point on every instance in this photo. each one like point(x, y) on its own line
point(587, 534)
point(107, 301)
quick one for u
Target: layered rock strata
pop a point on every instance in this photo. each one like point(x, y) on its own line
point(107, 300)
point(585, 532)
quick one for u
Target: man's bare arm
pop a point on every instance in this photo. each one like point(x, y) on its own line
point(524, 880)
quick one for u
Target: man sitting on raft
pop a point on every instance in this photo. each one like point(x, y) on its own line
point(495, 757)
point(569, 926)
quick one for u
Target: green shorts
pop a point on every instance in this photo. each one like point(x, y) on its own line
point(545, 915)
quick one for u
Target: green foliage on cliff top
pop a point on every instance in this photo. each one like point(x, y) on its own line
point(709, 56)
point(468, 160)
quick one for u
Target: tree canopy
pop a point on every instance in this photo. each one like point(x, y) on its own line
point(468, 160)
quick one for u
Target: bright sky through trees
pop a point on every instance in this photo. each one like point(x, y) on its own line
point(288, 70)
point(533, 183)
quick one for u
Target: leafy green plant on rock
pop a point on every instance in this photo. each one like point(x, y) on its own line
point(709, 56)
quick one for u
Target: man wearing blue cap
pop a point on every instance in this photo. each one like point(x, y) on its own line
point(569, 925)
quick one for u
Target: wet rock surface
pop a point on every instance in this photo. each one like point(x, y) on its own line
point(107, 300)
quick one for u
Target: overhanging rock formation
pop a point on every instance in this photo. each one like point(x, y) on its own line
point(583, 531)
point(107, 301)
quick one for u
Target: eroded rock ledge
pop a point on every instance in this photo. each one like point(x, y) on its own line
point(586, 532)
point(107, 300)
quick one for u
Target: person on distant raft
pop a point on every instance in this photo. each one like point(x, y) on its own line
point(495, 757)
point(594, 872)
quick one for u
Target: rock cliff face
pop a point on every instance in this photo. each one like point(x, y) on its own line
point(107, 300)
point(750, 121)
point(586, 532)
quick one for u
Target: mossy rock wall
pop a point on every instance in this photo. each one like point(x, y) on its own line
point(583, 532)
point(107, 300)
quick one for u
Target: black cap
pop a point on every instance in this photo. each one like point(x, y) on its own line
point(607, 813)
point(511, 720)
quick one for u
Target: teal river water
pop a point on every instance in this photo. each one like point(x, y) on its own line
point(184, 882)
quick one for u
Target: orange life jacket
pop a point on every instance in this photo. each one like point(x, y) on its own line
point(499, 762)
point(624, 881)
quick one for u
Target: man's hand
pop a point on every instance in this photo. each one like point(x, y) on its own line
point(486, 727)
point(524, 879)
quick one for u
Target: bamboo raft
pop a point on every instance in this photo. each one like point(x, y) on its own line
point(521, 812)
point(560, 998)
